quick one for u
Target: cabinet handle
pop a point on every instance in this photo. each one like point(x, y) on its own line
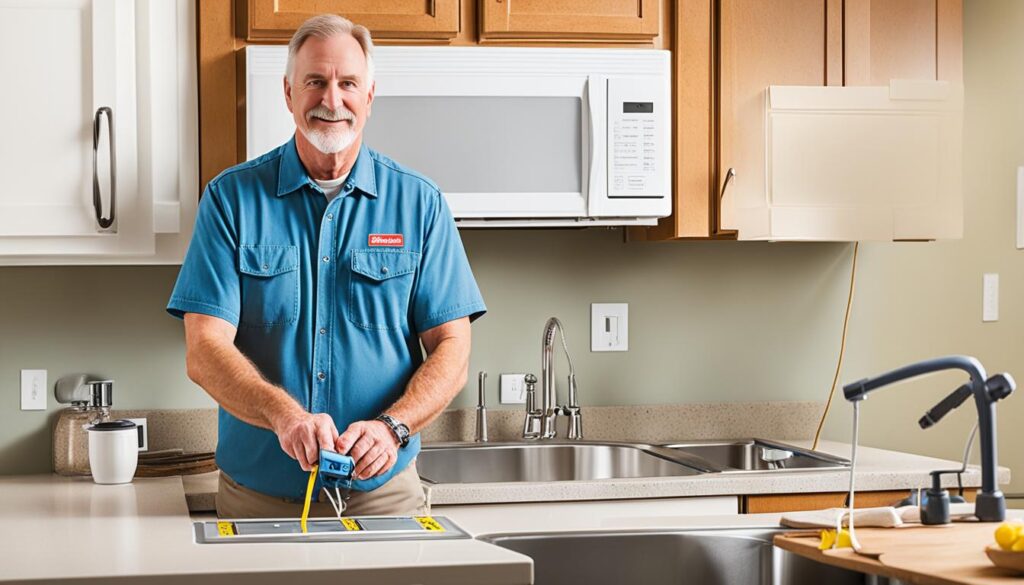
point(97, 203)
point(728, 177)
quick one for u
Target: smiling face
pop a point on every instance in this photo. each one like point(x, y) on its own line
point(329, 93)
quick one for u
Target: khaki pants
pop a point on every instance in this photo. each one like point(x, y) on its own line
point(402, 495)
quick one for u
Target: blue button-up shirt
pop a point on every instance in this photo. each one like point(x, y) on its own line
point(329, 298)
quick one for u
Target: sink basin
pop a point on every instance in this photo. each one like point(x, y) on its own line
point(708, 557)
point(758, 455)
point(525, 462)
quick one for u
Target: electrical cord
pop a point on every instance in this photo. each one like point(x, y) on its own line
point(842, 347)
point(967, 454)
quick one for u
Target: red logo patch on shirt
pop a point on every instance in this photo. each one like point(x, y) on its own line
point(389, 240)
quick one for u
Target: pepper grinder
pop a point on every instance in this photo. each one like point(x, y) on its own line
point(90, 401)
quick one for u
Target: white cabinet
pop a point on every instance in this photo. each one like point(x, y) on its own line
point(854, 163)
point(99, 123)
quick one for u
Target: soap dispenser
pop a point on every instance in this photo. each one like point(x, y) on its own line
point(90, 401)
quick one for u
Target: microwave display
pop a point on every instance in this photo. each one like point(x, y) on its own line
point(638, 108)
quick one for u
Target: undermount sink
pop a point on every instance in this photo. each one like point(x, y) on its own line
point(547, 461)
point(708, 557)
point(591, 460)
point(758, 455)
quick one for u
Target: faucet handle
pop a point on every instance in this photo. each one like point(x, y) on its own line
point(482, 391)
point(481, 410)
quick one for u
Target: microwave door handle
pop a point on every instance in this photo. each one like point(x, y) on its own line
point(592, 107)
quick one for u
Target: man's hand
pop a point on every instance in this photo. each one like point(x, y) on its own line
point(302, 435)
point(371, 444)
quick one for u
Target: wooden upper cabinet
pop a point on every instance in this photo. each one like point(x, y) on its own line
point(277, 20)
point(761, 43)
point(596, 20)
point(903, 39)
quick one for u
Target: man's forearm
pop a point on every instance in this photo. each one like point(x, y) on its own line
point(236, 384)
point(434, 384)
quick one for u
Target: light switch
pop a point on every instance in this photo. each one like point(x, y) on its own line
point(609, 327)
point(990, 298)
point(33, 389)
point(1020, 208)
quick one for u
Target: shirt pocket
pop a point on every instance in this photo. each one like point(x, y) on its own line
point(380, 288)
point(270, 285)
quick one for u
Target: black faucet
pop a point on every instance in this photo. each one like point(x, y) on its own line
point(990, 505)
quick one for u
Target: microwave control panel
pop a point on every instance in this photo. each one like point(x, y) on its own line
point(637, 138)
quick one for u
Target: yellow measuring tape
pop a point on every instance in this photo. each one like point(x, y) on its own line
point(309, 497)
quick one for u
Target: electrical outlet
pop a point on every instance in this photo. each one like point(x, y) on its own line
point(609, 327)
point(33, 389)
point(512, 389)
point(990, 298)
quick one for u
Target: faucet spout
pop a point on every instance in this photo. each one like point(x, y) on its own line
point(990, 505)
point(549, 400)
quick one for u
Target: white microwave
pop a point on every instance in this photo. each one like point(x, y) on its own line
point(514, 137)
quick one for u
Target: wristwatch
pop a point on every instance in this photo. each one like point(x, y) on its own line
point(400, 429)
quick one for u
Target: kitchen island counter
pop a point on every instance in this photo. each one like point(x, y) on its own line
point(61, 529)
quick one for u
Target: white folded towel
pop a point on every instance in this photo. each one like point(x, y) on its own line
point(885, 517)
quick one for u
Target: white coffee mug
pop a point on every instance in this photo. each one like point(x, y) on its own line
point(113, 451)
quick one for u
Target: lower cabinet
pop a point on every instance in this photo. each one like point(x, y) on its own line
point(776, 503)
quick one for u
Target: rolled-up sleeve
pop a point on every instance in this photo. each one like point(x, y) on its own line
point(208, 282)
point(446, 289)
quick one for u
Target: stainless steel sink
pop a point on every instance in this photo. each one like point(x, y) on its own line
point(549, 461)
point(757, 455)
point(590, 460)
point(706, 557)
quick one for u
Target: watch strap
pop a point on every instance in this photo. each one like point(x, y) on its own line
point(399, 429)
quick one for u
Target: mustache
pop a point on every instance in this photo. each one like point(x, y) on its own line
point(325, 113)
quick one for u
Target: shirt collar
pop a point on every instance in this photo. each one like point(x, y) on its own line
point(292, 175)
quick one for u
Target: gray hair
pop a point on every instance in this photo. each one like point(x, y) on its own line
point(326, 26)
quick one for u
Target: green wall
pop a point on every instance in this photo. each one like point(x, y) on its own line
point(709, 321)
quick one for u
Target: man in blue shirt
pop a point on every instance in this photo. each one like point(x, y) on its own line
point(314, 274)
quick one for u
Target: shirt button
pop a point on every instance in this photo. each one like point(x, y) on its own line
point(326, 259)
point(348, 186)
point(265, 267)
point(321, 376)
point(323, 331)
point(384, 269)
point(330, 216)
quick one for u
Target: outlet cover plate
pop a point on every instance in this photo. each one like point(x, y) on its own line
point(33, 389)
point(512, 389)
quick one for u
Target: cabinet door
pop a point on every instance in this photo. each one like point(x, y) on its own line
point(902, 39)
point(68, 59)
point(277, 20)
point(608, 20)
point(761, 43)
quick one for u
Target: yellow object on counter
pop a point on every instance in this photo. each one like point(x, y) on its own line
point(828, 539)
point(309, 497)
point(1009, 536)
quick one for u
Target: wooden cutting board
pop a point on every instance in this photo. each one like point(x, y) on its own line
point(953, 554)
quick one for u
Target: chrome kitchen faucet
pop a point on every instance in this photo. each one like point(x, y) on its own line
point(541, 423)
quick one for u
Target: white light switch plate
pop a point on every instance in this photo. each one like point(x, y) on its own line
point(512, 389)
point(609, 327)
point(1020, 208)
point(33, 389)
point(990, 298)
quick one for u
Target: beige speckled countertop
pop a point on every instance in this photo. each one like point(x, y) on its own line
point(877, 470)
